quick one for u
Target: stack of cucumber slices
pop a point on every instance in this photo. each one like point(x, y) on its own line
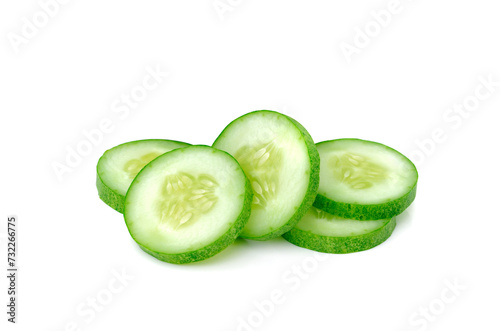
point(262, 178)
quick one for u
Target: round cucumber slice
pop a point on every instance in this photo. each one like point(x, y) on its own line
point(188, 204)
point(324, 232)
point(119, 165)
point(282, 163)
point(364, 180)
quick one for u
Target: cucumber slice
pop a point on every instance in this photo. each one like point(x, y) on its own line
point(324, 232)
point(188, 204)
point(280, 159)
point(364, 180)
point(119, 165)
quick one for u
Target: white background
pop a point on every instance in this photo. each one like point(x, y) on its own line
point(280, 55)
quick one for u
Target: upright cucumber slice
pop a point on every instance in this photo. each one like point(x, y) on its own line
point(189, 204)
point(323, 232)
point(119, 165)
point(280, 159)
point(364, 180)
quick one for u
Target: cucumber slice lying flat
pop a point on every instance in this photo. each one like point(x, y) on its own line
point(119, 165)
point(282, 163)
point(364, 180)
point(188, 204)
point(327, 233)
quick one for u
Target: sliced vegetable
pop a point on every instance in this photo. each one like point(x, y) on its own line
point(189, 204)
point(364, 180)
point(119, 165)
point(324, 232)
point(280, 159)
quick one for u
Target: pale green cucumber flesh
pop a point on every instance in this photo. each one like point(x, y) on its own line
point(323, 232)
point(119, 165)
point(364, 180)
point(282, 163)
point(188, 204)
